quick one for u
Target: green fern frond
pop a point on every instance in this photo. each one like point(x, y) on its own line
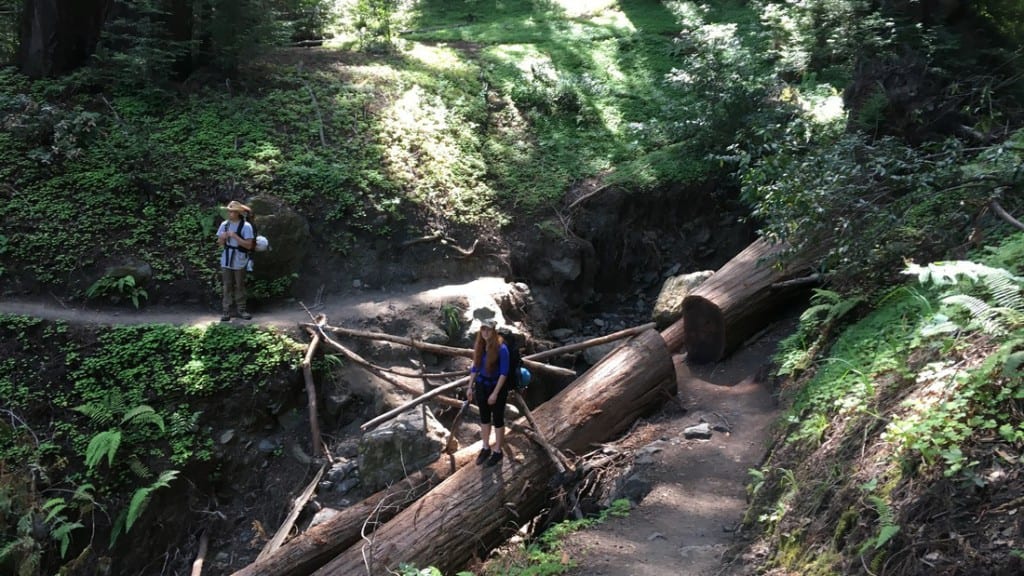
point(143, 414)
point(54, 506)
point(84, 493)
point(1012, 366)
point(885, 515)
point(102, 444)
point(62, 534)
point(141, 497)
point(140, 469)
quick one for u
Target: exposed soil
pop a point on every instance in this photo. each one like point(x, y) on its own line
point(698, 495)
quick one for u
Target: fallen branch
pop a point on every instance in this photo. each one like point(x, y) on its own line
point(565, 468)
point(204, 544)
point(413, 403)
point(293, 515)
point(621, 334)
point(428, 238)
point(451, 402)
point(463, 251)
point(307, 374)
point(449, 242)
point(998, 209)
point(528, 361)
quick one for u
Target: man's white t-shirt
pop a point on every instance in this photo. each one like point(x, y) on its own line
point(232, 257)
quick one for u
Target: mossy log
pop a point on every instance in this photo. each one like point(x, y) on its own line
point(737, 301)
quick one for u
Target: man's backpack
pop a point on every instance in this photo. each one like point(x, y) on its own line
point(518, 375)
point(262, 244)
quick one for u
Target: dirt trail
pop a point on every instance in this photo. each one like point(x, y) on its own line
point(351, 306)
point(698, 493)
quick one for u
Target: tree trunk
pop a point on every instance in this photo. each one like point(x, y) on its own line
point(58, 36)
point(736, 301)
point(315, 547)
point(476, 508)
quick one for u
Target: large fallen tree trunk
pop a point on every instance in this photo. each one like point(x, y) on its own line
point(736, 301)
point(476, 507)
point(313, 548)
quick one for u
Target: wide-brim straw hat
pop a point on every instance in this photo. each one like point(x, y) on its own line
point(236, 206)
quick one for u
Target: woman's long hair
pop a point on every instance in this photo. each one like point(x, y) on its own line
point(492, 351)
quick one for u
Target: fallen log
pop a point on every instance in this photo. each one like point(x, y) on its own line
point(476, 508)
point(736, 301)
point(315, 547)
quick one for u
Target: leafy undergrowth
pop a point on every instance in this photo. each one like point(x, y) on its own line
point(98, 422)
point(903, 452)
point(481, 113)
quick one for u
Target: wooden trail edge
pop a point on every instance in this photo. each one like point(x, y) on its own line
point(477, 507)
point(736, 301)
point(307, 375)
point(530, 363)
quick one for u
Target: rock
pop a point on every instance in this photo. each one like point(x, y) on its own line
point(357, 283)
point(299, 454)
point(561, 333)
point(701, 431)
point(289, 236)
point(226, 436)
point(399, 447)
point(323, 515)
point(380, 394)
point(346, 486)
point(635, 488)
point(267, 446)
point(341, 470)
point(598, 322)
point(567, 268)
point(290, 419)
point(656, 536)
point(594, 354)
point(142, 272)
point(337, 398)
point(669, 306)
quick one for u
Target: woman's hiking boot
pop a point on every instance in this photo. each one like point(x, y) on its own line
point(494, 458)
point(482, 456)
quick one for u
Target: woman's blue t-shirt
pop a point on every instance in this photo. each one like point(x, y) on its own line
point(503, 365)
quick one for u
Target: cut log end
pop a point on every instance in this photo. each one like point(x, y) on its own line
point(703, 330)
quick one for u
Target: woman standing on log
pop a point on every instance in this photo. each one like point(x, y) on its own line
point(488, 390)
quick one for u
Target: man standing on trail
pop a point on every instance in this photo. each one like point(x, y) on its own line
point(488, 390)
point(236, 236)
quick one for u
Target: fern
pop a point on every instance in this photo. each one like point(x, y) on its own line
point(141, 415)
point(102, 444)
point(996, 308)
point(1012, 366)
point(141, 497)
point(62, 534)
point(887, 520)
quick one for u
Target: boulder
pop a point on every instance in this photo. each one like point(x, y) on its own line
point(288, 233)
point(379, 394)
point(594, 354)
point(141, 271)
point(669, 306)
point(399, 448)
